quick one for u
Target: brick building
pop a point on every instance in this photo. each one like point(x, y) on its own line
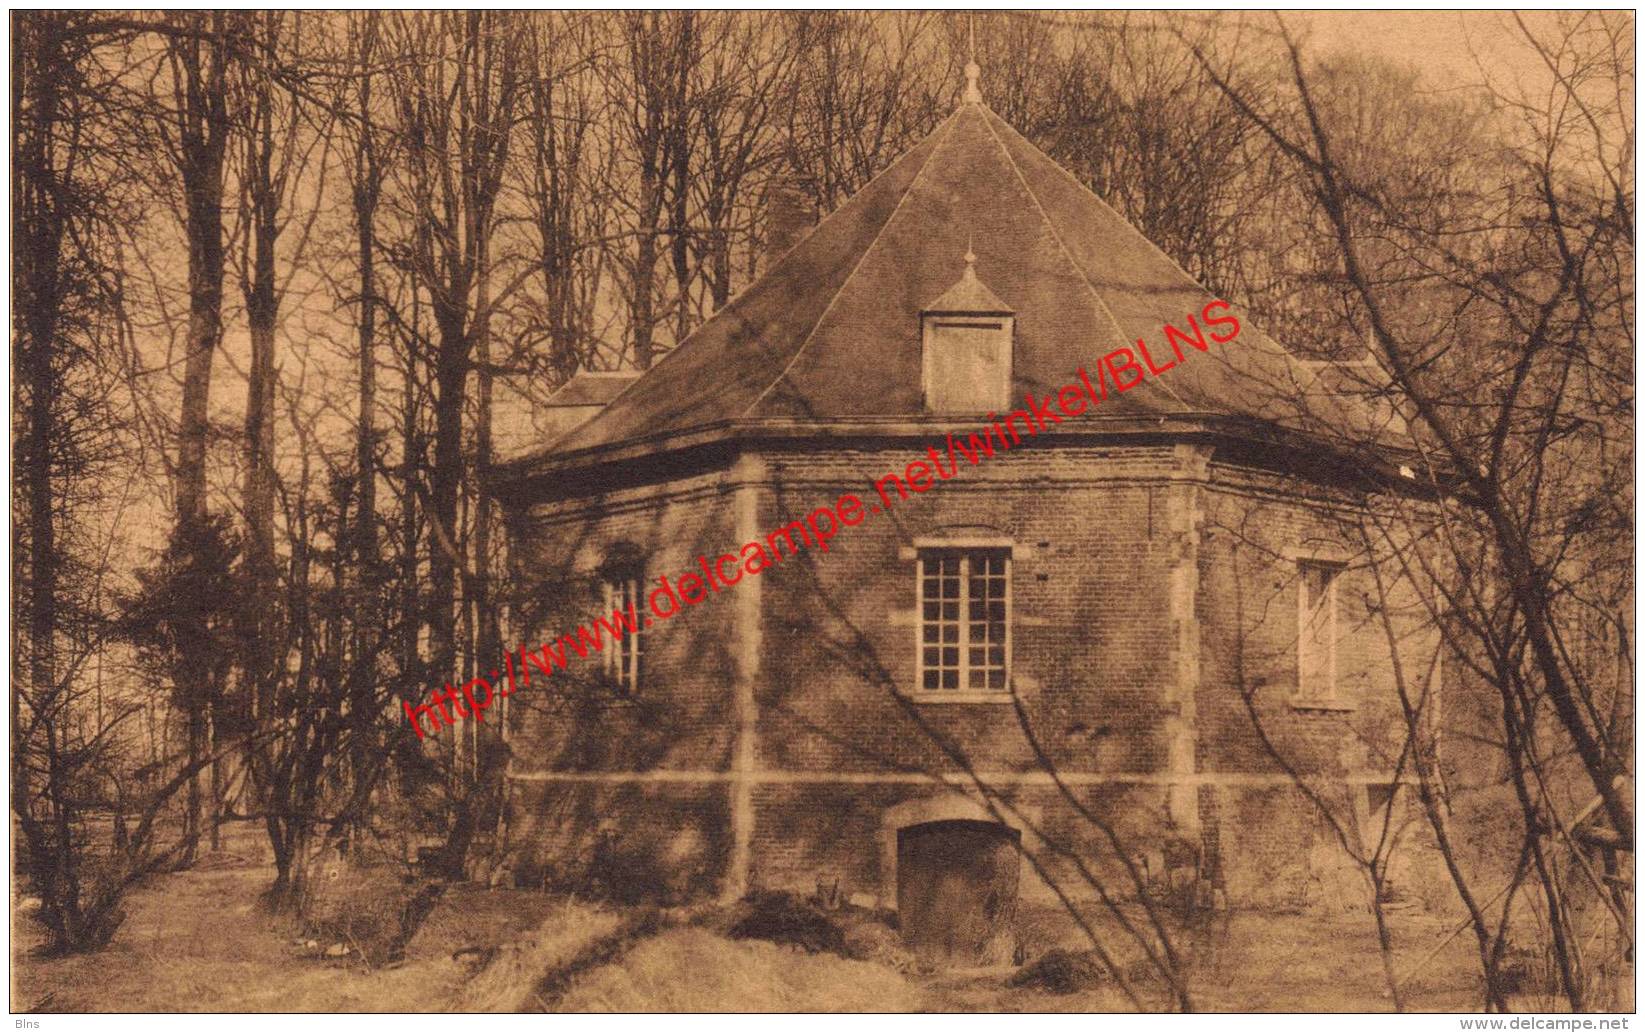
point(1059, 650)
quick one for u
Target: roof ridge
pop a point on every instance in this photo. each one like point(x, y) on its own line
point(799, 241)
point(1110, 209)
point(1284, 352)
point(1045, 217)
point(737, 300)
point(947, 129)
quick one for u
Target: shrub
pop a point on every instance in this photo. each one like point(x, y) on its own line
point(642, 867)
point(372, 911)
point(1060, 971)
point(786, 919)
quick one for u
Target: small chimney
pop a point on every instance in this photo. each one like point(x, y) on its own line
point(788, 217)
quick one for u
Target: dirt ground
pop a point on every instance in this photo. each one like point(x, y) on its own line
point(196, 941)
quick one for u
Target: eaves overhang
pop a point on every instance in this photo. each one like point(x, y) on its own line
point(580, 472)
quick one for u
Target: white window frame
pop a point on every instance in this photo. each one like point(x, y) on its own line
point(966, 549)
point(620, 660)
point(1327, 694)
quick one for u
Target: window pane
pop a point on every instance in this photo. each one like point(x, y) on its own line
point(1316, 630)
point(986, 589)
point(621, 658)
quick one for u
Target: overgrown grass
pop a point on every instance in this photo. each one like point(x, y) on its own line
point(513, 979)
point(694, 970)
point(197, 941)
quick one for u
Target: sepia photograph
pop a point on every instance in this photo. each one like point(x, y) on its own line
point(713, 512)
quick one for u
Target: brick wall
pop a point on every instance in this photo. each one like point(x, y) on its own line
point(574, 720)
point(1097, 662)
point(1249, 619)
point(644, 840)
point(1089, 634)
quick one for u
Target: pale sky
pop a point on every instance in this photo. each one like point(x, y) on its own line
point(1449, 47)
point(1445, 45)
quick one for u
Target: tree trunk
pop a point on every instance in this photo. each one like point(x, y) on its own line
point(643, 303)
point(38, 299)
point(451, 380)
point(261, 200)
point(362, 676)
point(411, 621)
point(679, 166)
point(203, 126)
point(489, 640)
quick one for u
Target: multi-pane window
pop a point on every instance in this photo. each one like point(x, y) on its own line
point(622, 657)
point(1317, 630)
point(965, 598)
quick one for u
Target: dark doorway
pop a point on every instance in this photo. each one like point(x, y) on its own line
point(957, 891)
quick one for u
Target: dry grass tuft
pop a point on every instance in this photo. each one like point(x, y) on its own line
point(693, 970)
point(510, 982)
point(872, 940)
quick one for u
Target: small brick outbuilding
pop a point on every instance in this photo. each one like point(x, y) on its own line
point(1076, 640)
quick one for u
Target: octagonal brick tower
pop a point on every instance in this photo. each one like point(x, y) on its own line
point(1070, 644)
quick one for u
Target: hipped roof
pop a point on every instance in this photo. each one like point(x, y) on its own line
point(832, 331)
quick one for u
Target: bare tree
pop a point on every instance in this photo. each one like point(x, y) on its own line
point(365, 173)
point(195, 123)
point(1499, 313)
point(649, 84)
point(69, 756)
point(567, 163)
point(746, 73)
point(456, 105)
point(866, 87)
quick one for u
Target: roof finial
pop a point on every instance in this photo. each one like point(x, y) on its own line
point(973, 95)
point(970, 260)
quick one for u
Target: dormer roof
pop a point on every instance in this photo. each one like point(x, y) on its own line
point(968, 297)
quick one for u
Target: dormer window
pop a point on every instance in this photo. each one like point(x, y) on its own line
point(966, 337)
